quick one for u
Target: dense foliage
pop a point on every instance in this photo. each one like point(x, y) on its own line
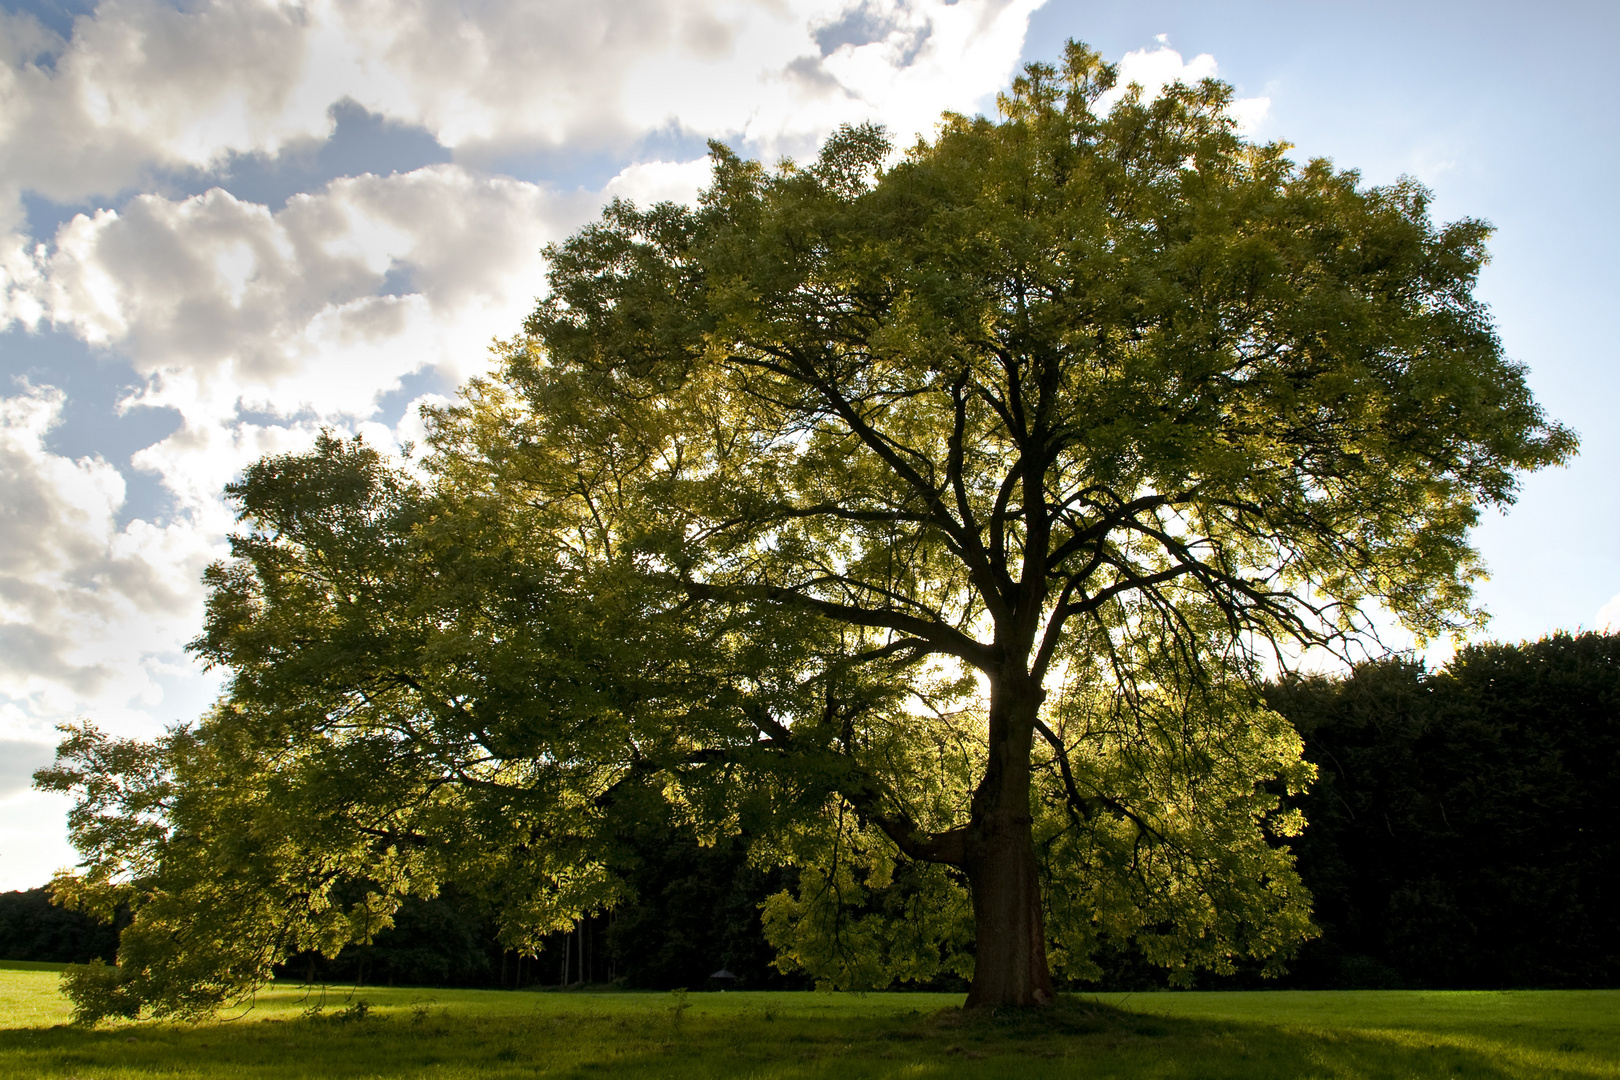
point(927, 521)
point(1093, 407)
point(1462, 835)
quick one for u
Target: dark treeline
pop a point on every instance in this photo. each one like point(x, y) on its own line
point(1464, 833)
point(1465, 823)
point(33, 928)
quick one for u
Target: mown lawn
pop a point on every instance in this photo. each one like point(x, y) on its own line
point(456, 1034)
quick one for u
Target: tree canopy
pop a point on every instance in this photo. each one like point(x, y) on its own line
point(931, 519)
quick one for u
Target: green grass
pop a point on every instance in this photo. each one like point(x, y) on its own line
point(450, 1035)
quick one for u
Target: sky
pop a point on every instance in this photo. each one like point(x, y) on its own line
point(224, 226)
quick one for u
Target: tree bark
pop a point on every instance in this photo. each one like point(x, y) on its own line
point(1010, 952)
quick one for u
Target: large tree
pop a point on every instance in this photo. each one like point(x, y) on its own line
point(936, 519)
point(1041, 398)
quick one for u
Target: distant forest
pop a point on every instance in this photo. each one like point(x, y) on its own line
point(1464, 834)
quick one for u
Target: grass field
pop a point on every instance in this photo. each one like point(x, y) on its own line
point(464, 1034)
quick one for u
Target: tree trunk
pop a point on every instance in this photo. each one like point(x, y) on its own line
point(1010, 938)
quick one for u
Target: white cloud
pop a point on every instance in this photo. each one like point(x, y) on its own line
point(227, 306)
point(21, 280)
point(221, 299)
point(33, 839)
point(88, 610)
point(1608, 617)
point(94, 118)
point(899, 63)
point(1155, 69)
point(660, 181)
point(18, 760)
point(239, 76)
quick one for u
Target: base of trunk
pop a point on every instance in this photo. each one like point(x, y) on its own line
point(1032, 999)
point(1010, 947)
point(1010, 940)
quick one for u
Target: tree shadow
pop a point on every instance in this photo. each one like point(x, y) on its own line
point(1077, 1038)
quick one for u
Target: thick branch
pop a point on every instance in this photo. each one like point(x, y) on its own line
point(949, 847)
point(940, 637)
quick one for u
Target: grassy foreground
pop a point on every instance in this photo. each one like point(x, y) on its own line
point(464, 1034)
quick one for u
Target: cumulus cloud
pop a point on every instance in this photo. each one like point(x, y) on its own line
point(375, 277)
point(21, 280)
point(18, 760)
point(901, 62)
point(660, 181)
point(316, 308)
point(215, 282)
point(86, 117)
point(1608, 617)
point(89, 612)
point(1155, 69)
point(33, 839)
point(259, 328)
point(308, 314)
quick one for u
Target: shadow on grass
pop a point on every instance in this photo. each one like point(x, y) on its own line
point(1077, 1038)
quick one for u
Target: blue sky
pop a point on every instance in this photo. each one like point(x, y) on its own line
point(1505, 112)
point(225, 225)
